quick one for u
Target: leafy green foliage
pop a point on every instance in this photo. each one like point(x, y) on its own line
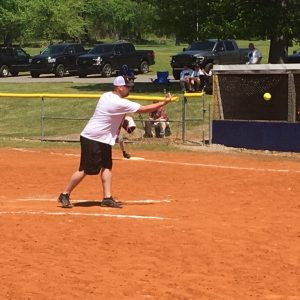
point(137, 20)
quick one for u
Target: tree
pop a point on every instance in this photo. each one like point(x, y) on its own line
point(277, 20)
point(12, 20)
point(55, 19)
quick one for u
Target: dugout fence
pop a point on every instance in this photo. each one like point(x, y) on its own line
point(241, 115)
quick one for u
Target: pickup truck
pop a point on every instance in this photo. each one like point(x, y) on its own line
point(222, 52)
point(13, 60)
point(58, 59)
point(106, 58)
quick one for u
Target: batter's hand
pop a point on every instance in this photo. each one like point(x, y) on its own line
point(168, 97)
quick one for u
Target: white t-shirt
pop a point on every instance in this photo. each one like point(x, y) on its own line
point(197, 73)
point(254, 56)
point(104, 125)
point(184, 73)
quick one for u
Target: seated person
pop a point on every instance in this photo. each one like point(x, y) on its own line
point(184, 79)
point(129, 126)
point(197, 79)
point(157, 123)
point(208, 79)
point(127, 73)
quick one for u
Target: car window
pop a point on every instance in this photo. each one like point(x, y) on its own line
point(220, 46)
point(229, 46)
point(53, 49)
point(71, 50)
point(118, 49)
point(128, 48)
point(98, 49)
point(202, 45)
point(7, 51)
point(78, 48)
point(20, 53)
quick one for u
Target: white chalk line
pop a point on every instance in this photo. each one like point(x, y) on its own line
point(222, 166)
point(146, 201)
point(41, 212)
point(187, 164)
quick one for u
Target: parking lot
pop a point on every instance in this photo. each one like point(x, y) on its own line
point(90, 79)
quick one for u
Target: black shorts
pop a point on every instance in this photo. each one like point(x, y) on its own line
point(94, 156)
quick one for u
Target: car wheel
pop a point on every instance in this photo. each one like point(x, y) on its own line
point(4, 71)
point(176, 74)
point(144, 67)
point(60, 71)
point(35, 74)
point(107, 70)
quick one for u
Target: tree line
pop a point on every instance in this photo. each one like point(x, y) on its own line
point(136, 20)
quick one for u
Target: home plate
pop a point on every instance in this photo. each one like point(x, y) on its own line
point(135, 158)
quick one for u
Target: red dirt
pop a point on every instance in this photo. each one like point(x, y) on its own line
point(230, 230)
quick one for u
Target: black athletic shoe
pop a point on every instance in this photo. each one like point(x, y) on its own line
point(64, 199)
point(110, 202)
point(126, 155)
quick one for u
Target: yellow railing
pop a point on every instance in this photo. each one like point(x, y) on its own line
point(93, 96)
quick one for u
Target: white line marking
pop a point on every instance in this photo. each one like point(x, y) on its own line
point(148, 201)
point(65, 154)
point(187, 164)
point(25, 150)
point(222, 166)
point(79, 214)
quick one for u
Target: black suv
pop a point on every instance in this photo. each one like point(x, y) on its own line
point(58, 59)
point(13, 60)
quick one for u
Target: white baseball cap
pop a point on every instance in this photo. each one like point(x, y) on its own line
point(122, 81)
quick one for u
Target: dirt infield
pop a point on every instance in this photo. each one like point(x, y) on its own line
point(193, 226)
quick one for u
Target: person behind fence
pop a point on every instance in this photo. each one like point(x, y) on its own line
point(197, 79)
point(158, 123)
point(129, 126)
point(125, 72)
point(184, 79)
point(254, 55)
point(120, 141)
point(207, 88)
point(100, 134)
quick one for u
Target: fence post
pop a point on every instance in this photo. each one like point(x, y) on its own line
point(42, 118)
point(291, 98)
point(184, 102)
point(209, 124)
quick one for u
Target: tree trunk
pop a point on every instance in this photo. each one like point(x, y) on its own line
point(278, 50)
point(177, 40)
point(7, 40)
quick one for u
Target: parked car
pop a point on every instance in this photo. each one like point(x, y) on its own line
point(225, 52)
point(58, 59)
point(294, 58)
point(106, 58)
point(13, 59)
